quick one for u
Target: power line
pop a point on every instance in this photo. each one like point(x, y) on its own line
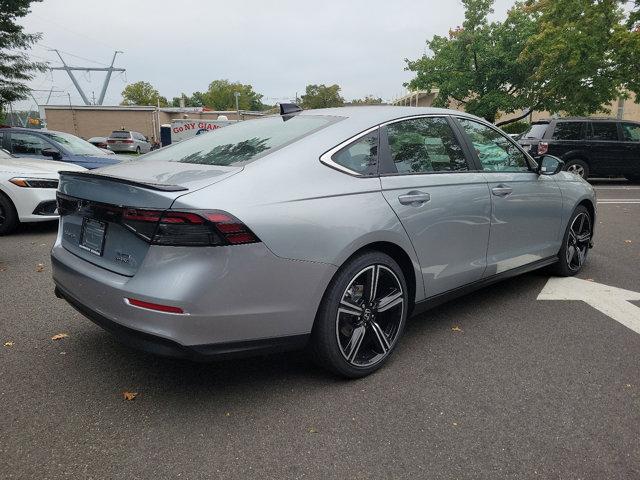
point(66, 28)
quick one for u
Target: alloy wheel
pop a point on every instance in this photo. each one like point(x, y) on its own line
point(578, 241)
point(576, 170)
point(370, 315)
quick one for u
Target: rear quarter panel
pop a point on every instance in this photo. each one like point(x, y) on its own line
point(304, 210)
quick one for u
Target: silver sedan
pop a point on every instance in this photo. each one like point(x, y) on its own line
point(323, 228)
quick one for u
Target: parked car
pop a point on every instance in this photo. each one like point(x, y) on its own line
point(28, 190)
point(589, 147)
point(126, 141)
point(324, 227)
point(52, 145)
point(100, 142)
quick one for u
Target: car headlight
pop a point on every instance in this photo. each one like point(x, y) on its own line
point(28, 182)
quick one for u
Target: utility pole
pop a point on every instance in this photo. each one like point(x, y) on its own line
point(105, 84)
point(237, 95)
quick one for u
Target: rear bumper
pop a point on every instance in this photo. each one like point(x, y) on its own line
point(235, 299)
point(126, 147)
point(168, 348)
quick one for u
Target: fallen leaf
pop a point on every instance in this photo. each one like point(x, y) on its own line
point(456, 328)
point(589, 279)
point(455, 424)
point(227, 414)
point(628, 385)
point(59, 336)
point(40, 267)
point(313, 430)
point(2, 268)
point(627, 241)
point(8, 344)
point(129, 396)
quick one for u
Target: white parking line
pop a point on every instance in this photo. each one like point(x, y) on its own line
point(616, 188)
point(618, 200)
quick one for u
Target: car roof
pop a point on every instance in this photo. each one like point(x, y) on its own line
point(32, 130)
point(382, 113)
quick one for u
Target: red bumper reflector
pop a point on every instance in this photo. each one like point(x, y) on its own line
point(154, 306)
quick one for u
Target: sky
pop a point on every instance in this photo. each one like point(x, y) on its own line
point(279, 47)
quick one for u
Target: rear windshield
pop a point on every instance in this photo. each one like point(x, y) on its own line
point(536, 131)
point(120, 134)
point(241, 142)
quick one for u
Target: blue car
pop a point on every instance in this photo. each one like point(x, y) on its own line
point(52, 145)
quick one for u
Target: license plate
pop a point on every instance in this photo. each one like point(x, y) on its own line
point(92, 236)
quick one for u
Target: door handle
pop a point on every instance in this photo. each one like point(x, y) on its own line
point(415, 198)
point(502, 190)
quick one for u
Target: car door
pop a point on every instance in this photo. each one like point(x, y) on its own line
point(440, 198)
point(631, 143)
point(526, 207)
point(607, 151)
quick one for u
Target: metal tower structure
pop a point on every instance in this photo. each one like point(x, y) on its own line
point(110, 69)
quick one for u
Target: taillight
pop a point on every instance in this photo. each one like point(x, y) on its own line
point(187, 228)
point(543, 147)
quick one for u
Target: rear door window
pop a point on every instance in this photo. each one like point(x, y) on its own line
point(604, 131)
point(425, 145)
point(27, 144)
point(569, 131)
point(631, 132)
point(361, 156)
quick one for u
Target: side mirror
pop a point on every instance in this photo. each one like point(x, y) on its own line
point(51, 152)
point(550, 165)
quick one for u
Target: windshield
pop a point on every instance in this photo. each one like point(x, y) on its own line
point(75, 145)
point(536, 131)
point(242, 142)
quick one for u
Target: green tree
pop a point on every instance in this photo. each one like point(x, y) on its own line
point(555, 55)
point(195, 100)
point(322, 96)
point(368, 100)
point(221, 96)
point(142, 93)
point(16, 67)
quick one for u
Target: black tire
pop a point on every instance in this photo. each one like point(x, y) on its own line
point(8, 215)
point(568, 264)
point(346, 334)
point(578, 167)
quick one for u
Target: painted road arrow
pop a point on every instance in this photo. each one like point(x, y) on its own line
point(612, 301)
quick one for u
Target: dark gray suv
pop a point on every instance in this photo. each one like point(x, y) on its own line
point(589, 146)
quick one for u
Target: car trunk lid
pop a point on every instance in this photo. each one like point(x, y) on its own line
point(96, 207)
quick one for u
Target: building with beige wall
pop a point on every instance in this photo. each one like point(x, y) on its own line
point(624, 109)
point(99, 121)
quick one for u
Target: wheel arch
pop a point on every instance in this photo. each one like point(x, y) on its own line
point(404, 261)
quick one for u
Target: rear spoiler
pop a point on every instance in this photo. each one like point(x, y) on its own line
point(151, 186)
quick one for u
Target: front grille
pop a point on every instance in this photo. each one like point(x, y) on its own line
point(47, 207)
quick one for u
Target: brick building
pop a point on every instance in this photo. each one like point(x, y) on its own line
point(99, 121)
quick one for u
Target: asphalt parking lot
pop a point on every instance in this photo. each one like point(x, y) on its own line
point(495, 385)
